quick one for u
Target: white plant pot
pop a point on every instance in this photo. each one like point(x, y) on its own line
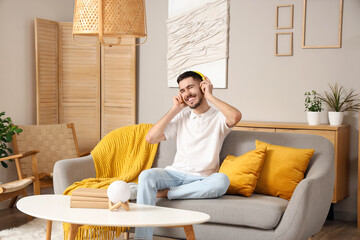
point(336, 118)
point(314, 118)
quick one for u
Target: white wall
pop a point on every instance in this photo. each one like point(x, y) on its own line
point(264, 87)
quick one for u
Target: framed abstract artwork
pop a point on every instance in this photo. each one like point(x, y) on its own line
point(198, 36)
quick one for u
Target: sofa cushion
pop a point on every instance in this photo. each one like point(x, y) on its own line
point(243, 171)
point(283, 169)
point(258, 210)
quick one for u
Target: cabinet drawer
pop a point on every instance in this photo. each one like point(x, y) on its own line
point(254, 129)
point(326, 134)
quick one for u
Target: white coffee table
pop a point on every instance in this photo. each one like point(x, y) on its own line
point(57, 208)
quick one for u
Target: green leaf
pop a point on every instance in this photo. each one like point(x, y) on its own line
point(7, 130)
point(8, 138)
point(313, 102)
point(3, 153)
point(339, 101)
point(18, 130)
point(4, 164)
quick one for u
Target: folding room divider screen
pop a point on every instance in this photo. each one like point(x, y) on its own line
point(94, 87)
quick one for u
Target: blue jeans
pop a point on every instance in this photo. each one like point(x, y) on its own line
point(181, 185)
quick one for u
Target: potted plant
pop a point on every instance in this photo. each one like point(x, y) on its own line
point(313, 107)
point(7, 130)
point(339, 102)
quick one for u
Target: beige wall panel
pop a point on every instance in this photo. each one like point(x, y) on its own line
point(85, 119)
point(114, 116)
point(118, 83)
point(46, 45)
point(80, 87)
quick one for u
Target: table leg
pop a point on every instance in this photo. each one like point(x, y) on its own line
point(189, 232)
point(73, 231)
point(48, 229)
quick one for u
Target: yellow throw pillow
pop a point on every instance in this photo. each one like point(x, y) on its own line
point(284, 168)
point(243, 171)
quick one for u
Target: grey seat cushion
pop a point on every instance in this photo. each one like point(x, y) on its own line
point(258, 211)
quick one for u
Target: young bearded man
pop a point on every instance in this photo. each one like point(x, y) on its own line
point(199, 136)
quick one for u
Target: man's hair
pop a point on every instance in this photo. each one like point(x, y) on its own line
point(187, 74)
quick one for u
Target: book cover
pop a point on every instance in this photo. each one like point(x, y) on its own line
point(88, 199)
point(90, 192)
point(89, 204)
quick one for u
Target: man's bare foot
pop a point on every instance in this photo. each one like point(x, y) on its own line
point(162, 193)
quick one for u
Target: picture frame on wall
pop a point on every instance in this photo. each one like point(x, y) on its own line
point(283, 44)
point(284, 16)
point(324, 32)
point(203, 27)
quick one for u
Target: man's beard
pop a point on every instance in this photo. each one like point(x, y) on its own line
point(197, 104)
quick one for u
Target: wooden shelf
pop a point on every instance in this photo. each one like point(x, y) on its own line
point(289, 125)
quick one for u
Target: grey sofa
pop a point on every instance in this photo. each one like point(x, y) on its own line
point(236, 217)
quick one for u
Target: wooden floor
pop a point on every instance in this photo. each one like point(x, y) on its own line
point(332, 230)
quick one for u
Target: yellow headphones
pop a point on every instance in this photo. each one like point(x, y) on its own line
point(202, 76)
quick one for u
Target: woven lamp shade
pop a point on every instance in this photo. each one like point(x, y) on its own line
point(110, 19)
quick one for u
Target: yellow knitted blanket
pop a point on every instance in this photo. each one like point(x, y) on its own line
point(120, 155)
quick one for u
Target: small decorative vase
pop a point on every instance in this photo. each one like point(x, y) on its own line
point(314, 118)
point(336, 118)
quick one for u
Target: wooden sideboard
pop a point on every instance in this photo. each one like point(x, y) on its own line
point(338, 135)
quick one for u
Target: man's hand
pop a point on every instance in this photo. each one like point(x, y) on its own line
point(206, 87)
point(156, 133)
point(178, 102)
point(232, 115)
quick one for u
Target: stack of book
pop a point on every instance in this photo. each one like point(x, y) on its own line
point(89, 198)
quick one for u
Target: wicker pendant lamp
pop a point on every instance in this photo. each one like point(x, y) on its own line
point(110, 20)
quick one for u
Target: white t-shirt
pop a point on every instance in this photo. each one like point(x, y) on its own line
point(199, 139)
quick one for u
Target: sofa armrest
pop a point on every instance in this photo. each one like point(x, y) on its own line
point(68, 171)
point(310, 202)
